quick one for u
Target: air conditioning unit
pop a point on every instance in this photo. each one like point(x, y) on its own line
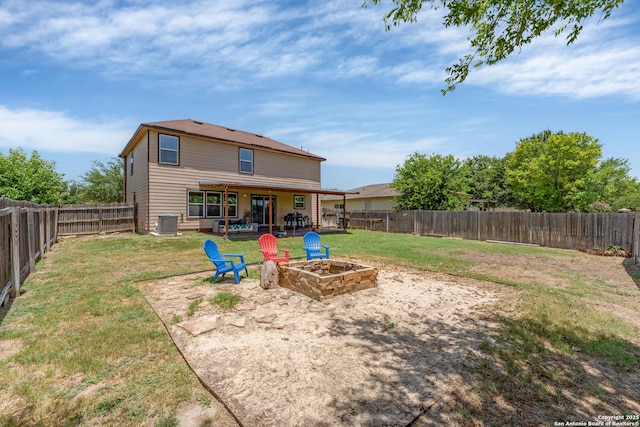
point(167, 224)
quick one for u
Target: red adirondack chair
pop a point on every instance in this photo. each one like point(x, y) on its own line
point(269, 248)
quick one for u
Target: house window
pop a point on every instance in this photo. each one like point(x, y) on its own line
point(214, 204)
point(246, 160)
point(233, 205)
point(131, 164)
point(210, 204)
point(298, 202)
point(196, 204)
point(367, 205)
point(168, 149)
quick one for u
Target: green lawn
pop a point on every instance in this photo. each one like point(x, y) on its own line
point(88, 349)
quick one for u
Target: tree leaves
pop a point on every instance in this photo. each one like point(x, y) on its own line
point(432, 182)
point(31, 179)
point(498, 27)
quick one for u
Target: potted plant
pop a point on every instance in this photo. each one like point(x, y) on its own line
point(282, 232)
point(247, 215)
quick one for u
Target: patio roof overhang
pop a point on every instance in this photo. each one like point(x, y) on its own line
point(272, 187)
point(236, 185)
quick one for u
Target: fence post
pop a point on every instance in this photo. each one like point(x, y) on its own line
point(636, 237)
point(41, 223)
point(55, 228)
point(47, 228)
point(31, 237)
point(99, 220)
point(15, 252)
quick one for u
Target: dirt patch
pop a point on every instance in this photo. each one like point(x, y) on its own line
point(380, 356)
point(403, 353)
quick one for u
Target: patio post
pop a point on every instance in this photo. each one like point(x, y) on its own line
point(270, 213)
point(226, 211)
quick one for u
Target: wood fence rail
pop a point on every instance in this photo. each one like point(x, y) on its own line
point(557, 230)
point(27, 231)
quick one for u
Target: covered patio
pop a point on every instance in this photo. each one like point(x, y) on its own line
point(266, 213)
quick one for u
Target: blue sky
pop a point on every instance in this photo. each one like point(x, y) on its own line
point(78, 77)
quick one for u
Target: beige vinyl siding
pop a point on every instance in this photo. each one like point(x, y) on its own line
point(137, 183)
point(218, 161)
point(277, 168)
point(205, 160)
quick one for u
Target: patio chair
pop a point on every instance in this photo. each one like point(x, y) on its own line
point(313, 247)
point(269, 248)
point(224, 263)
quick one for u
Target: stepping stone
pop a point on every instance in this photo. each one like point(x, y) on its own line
point(200, 325)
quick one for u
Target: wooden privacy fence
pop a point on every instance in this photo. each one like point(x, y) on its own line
point(95, 218)
point(27, 230)
point(558, 230)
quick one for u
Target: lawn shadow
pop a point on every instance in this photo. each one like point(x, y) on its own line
point(514, 372)
point(632, 270)
point(407, 378)
point(4, 310)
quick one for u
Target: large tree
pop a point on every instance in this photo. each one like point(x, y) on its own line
point(431, 182)
point(498, 27)
point(487, 179)
point(607, 184)
point(31, 179)
point(545, 170)
point(104, 182)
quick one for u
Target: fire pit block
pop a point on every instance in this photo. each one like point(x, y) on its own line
point(326, 278)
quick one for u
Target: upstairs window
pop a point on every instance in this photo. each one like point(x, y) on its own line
point(246, 160)
point(131, 164)
point(168, 149)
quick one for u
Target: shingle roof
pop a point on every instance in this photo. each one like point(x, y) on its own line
point(368, 192)
point(208, 130)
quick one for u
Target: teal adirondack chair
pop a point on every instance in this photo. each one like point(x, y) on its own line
point(313, 247)
point(224, 262)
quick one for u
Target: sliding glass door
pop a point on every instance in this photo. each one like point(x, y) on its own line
point(260, 209)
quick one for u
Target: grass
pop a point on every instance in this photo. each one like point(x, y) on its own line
point(226, 300)
point(90, 350)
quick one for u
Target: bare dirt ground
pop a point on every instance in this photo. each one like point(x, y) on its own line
point(386, 356)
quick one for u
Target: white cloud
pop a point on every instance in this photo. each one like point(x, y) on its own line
point(588, 73)
point(240, 43)
point(346, 148)
point(604, 61)
point(56, 132)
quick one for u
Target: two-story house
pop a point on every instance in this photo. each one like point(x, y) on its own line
point(204, 175)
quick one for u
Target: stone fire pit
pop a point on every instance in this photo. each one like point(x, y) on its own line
point(326, 278)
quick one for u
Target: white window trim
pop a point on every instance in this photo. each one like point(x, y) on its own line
point(295, 204)
point(204, 204)
point(160, 150)
point(241, 161)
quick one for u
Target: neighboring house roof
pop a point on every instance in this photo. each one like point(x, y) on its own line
point(220, 133)
point(367, 192)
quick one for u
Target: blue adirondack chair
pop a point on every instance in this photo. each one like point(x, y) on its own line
point(223, 265)
point(313, 247)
